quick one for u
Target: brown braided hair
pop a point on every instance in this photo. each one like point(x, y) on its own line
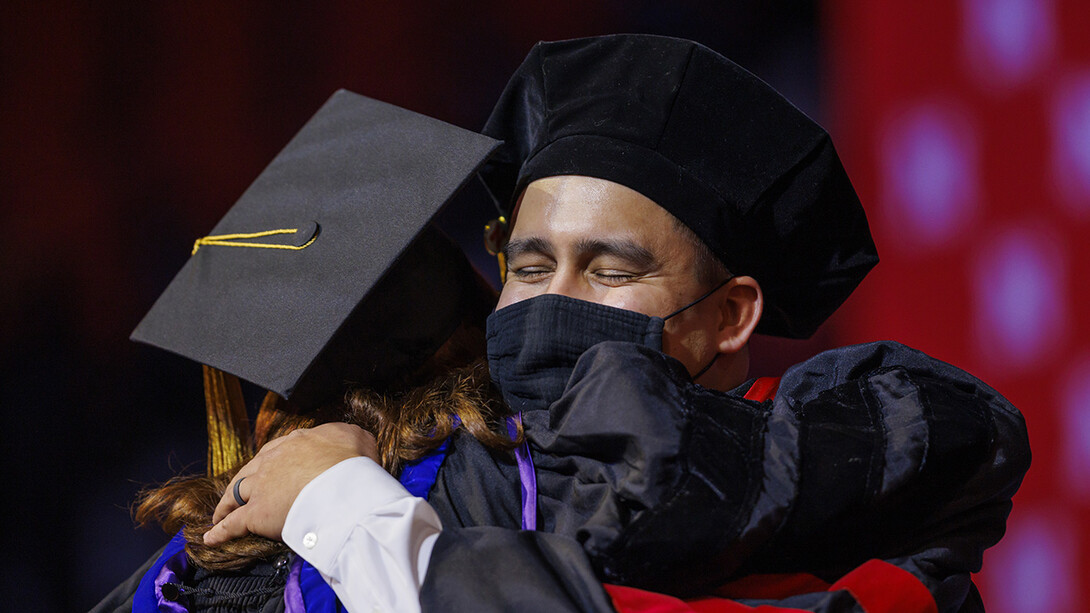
point(407, 425)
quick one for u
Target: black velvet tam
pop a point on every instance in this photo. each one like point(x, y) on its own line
point(323, 273)
point(750, 174)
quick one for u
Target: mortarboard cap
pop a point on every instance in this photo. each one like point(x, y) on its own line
point(325, 271)
point(750, 174)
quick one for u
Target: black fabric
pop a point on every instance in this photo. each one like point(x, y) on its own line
point(758, 181)
point(363, 179)
point(257, 589)
point(476, 486)
point(534, 344)
point(382, 343)
point(872, 451)
point(507, 581)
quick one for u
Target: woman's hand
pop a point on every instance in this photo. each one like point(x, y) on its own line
point(273, 479)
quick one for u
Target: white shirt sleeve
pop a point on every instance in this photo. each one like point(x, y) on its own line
point(370, 539)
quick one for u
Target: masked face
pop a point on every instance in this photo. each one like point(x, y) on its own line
point(601, 242)
point(588, 261)
point(533, 345)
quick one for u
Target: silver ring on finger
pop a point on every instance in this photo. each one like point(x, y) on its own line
point(238, 495)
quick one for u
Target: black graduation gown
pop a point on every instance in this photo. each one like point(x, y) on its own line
point(873, 451)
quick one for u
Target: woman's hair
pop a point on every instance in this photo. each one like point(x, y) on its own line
point(407, 425)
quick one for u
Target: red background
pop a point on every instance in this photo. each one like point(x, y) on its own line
point(127, 130)
point(1000, 291)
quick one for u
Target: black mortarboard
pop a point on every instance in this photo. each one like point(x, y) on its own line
point(751, 175)
point(322, 272)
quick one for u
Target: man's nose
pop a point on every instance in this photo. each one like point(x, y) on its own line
point(568, 283)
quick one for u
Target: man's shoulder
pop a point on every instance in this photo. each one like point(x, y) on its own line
point(860, 363)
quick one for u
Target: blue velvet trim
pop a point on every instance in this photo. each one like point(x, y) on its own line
point(145, 600)
point(317, 595)
point(419, 476)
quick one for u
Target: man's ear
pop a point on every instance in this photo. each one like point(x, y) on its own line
point(741, 305)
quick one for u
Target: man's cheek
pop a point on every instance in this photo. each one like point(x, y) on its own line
point(630, 299)
point(513, 292)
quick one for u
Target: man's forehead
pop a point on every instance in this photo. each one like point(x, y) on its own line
point(588, 218)
point(577, 198)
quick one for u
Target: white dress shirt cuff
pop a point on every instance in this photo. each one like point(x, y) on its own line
point(368, 537)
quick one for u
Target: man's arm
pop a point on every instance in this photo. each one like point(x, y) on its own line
point(871, 452)
point(367, 536)
point(495, 569)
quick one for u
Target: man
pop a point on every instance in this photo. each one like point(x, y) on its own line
point(666, 205)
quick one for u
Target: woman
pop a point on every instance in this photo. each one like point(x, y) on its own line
point(411, 425)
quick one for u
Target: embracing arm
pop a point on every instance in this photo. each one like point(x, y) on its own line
point(937, 475)
point(496, 569)
point(872, 452)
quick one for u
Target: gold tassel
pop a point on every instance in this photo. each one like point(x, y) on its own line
point(496, 234)
point(229, 441)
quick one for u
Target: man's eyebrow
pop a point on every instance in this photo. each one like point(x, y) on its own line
point(521, 246)
point(631, 252)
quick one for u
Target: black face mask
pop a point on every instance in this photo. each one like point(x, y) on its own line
point(533, 345)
